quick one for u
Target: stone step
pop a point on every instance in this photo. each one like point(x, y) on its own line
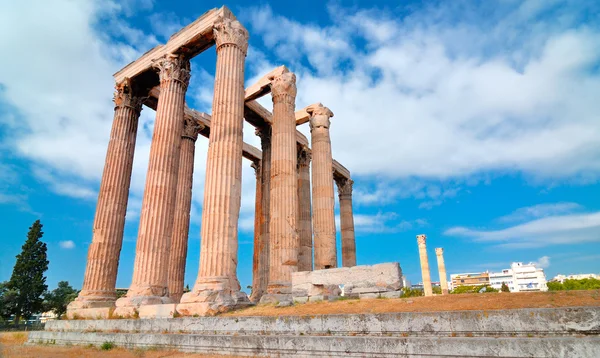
point(509, 323)
point(299, 346)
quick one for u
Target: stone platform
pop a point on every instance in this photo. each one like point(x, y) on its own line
point(556, 332)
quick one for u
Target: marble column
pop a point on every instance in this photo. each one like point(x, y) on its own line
point(305, 253)
point(150, 271)
point(109, 222)
point(323, 201)
point(260, 266)
point(347, 222)
point(439, 252)
point(217, 285)
point(284, 240)
point(421, 240)
point(183, 205)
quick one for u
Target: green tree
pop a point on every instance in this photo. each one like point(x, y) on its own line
point(436, 290)
point(58, 299)
point(504, 287)
point(474, 289)
point(28, 281)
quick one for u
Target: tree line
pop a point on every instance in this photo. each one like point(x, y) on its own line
point(26, 293)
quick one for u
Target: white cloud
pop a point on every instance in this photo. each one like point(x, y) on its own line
point(550, 230)
point(540, 210)
point(389, 222)
point(543, 262)
point(67, 245)
point(438, 95)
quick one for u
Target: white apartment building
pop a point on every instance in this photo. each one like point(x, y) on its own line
point(520, 278)
point(561, 278)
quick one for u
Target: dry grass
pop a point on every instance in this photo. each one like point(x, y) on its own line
point(11, 345)
point(481, 301)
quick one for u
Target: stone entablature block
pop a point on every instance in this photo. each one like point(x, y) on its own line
point(385, 277)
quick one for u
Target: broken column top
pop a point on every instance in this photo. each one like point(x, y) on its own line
point(439, 251)
point(421, 239)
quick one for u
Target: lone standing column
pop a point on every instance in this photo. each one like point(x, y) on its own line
point(347, 222)
point(109, 222)
point(183, 204)
point(421, 240)
point(305, 255)
point(217, 286)
point(284, 190)
point(150, 271)
point(260, 264)
point(439, 252)
point(322, 188)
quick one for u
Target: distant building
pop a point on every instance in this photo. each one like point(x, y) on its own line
point(520, 277)
point(419, 286)
point(561, 278)
point(469, 279)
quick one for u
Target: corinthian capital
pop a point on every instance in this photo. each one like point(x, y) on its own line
point(231, 32)
point(421, 239)
point(283, 86)
point(304, 156)
point(173, 67)
point(319, 116)
point(345, 187)
point(439, 251)
point(256, 167)
point(124, 97)
point(190, 129)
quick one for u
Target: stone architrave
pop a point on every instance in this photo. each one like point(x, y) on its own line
point(109, 222)
point(305, 253)
point(347, 222)
point(183, 205)
point(323, 200)
point(150, 272)
point(217, 287)
point(439, 253)
point(260, 266)
point(284, 241)
point(421, 241)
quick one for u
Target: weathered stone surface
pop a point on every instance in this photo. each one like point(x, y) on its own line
point(183, 203)
point(347, 222)
point(305, 251)
point(109, 220)
point(560, 332)
point(421, 241)
point(323, 201)
point(392, 294)
point(283, 230)
point(150, 273)
point(439, 253)
point(90, 313)
point(368, 295)
point(157, 311)
point(300, 299)
point(356, 280)
point(217, 282)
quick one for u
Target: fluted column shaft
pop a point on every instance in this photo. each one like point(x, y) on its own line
point(109, 221)
point(183, 205)
point(439, 253)
point(305, 254)
point(222, 188)
point(260, 266)
point(284, 186)
point(421, 240)
point(150, 273)
point(347, 222)
point(323, 201)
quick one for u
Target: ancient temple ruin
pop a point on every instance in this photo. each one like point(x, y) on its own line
point(287, 231)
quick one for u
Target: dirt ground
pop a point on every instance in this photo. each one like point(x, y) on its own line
point(462, 302)
point(11, 345)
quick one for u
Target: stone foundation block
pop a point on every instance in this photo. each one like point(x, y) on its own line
point(392, 294)
point(368, 295)
point(125, 312)
point(318, 298)
point(301, 299)
point(90, 313)
point(157, 311)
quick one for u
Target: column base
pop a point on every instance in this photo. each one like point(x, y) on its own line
point(277, 292)
point(255, 296)
point(211, 296)
point(128, 306)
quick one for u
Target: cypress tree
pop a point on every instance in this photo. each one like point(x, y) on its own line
point(28, 280)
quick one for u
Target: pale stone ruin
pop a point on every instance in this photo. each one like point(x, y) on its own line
point(285, 225)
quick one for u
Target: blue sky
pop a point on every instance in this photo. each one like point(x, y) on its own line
point(476, 123)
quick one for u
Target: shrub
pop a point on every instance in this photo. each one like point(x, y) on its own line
point(107, 346)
